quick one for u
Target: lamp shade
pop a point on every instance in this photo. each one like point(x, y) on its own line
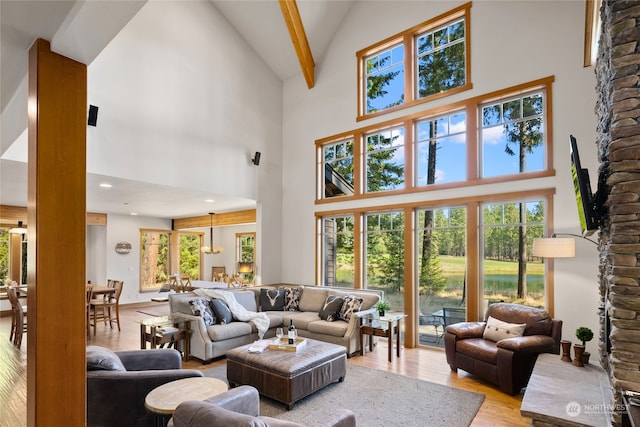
point(554, 247)
point(19, 229)
point(245, 267)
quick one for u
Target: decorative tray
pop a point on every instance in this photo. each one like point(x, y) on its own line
point(283, 344)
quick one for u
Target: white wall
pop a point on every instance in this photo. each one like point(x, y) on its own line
point(511, 43)
point(221, 104)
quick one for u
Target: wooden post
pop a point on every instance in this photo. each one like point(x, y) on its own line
point(56, 367)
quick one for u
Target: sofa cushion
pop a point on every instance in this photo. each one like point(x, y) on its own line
point(275, 318)
point(350, 305)
point(229, 330)
point(313, 298)
point(201, 307)
point(292, 298)
point(369, 299)
point(103, 359)
point(479, 349)
point(301, 319)
point(271, 299)
point(335, 329)
point(247, 299)
point(221, 311)
point(330, 310)
point(538, 321)
point(497, 330)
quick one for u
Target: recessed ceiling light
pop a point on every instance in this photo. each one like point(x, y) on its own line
point(105, 185)
point(209, 200)
point(134, 213)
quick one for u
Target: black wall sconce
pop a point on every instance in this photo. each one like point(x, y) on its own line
point(256, 158)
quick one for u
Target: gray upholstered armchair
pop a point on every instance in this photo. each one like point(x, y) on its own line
point(117, 385)
point(240, 407)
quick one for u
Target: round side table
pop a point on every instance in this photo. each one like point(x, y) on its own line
point(163, 400)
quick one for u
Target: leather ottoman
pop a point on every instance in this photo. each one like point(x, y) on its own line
point(288, 376)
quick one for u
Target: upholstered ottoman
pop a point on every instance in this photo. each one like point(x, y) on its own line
point(288, 376)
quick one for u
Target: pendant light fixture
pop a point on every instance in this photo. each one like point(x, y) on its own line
point(211, 249)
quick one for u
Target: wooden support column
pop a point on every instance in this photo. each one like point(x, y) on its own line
point(56, 368)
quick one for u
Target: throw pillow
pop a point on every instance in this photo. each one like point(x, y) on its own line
point(497, 330)
point(331, 308)
point(292, 299)
point(222, 312)
point(351, 304)
point(103, 359)
point(271, 299)
point(200, 307)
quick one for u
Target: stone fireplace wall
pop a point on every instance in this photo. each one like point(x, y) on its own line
point(618, 110)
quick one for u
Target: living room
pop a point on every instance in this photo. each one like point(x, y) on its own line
point(246, 111)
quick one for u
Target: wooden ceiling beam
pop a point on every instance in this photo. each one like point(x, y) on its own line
point(228, 218)
point(8, 214)
point(291, 16)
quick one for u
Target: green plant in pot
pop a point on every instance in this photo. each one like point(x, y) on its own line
point(584, 334)
point(382, 306)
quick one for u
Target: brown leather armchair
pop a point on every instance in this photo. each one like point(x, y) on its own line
point(508, 363)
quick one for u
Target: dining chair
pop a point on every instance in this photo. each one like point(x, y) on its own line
point(108, 308)
point(217, 272)
point(87, 308)
point(19, 317)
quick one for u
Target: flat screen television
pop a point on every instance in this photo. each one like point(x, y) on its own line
point(589, 204)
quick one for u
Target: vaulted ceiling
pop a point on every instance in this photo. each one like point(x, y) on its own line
point(82, 29)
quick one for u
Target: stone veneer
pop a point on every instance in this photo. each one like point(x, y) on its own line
point(618, 110)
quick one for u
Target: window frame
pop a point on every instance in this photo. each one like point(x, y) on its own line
point(408, 39)
point(473, 150)
point(239, 246)
point(173, 255)
point(473, 240)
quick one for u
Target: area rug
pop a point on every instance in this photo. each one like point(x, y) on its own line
point(379, 399)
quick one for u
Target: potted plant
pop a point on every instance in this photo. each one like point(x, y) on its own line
point(584, 334)
point(382, 306)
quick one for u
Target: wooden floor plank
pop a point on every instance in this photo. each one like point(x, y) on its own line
point(497, 410)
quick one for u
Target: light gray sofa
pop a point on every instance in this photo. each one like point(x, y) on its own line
point(214, 341)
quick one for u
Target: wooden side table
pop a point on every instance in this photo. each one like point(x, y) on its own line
point(163, 400)
point(169, 330)
point(385, 326)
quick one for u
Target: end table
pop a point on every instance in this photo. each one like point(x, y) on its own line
point(170, 330)
point(385, 326)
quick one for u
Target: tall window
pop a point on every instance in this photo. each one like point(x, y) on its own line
point(190, 255)
point(441, 257)
point(384, 237)
point(246, 248)
point(338, 168)
point(337, 251)
point(438, 65)
point(4, 255)
point(164, 253)
point(154, 259)
point(385, 159)
point(510, 272)
point(441, 59)
point(385, 79)
point(441, 149)
point(513, 138)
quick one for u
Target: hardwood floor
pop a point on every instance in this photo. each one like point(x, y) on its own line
point(498, 409)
